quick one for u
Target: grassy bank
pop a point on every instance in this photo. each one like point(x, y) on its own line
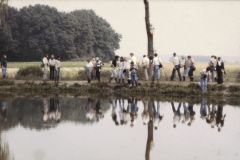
point(105, 89)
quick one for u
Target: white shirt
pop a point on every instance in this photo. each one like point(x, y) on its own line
point(175, 61)
point(134, 60)
point(52, 62)
point(57, 64)
point(45, 61)
point(157, 61)
point(145, 61)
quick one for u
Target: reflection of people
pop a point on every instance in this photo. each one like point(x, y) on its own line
point(203, 108)
point(93, 112)
point(3, 110)
point(211, 116)
point(220, 117)
point(51, 110)
point(132, 103)
point(192, 113)
point(176, 114)
point(114, 112)
point(157, 116)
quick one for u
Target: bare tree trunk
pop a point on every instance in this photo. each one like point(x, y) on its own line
point(149, 29)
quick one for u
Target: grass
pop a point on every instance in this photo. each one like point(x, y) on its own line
point(74, 70)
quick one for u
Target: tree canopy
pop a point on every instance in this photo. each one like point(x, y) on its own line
point(36, 30)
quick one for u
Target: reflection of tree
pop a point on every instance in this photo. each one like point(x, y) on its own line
point(4, 150)
point(28, 112)
point(150, 130)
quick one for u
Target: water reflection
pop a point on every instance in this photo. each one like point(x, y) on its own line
point(153, 115)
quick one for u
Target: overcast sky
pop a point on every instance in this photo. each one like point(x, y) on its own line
point(186, 27)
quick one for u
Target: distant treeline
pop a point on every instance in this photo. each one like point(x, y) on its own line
point(35, 30)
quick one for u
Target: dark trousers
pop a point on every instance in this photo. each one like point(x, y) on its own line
point(176, 68)
point(219, 77)
point(52, 70)
point(98, 74)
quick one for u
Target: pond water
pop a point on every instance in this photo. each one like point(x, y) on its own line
point(61, 128)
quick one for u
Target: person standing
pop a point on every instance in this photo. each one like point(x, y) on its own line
point(88, 70)
point(220, 70)
point(122, 70)
point(114, 69)
point(45, 67)
point(176, 67)
point(98, 67)
point(192, 67)
point(212, 65)
point(203, 80)
point(4, 66)
point(157, 64)
point(57, 70)
point(133, 74)
point(145, 65)
point(52, 63)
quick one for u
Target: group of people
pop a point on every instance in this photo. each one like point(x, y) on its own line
point(213, 73)
point(53, 65)
point(93, 69)
point(128, 69)
point(151, 67)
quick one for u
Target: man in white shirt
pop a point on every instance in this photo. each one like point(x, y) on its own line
point(176, 67)
point(52, 63)
point(157, 64)
point(89, 69)
point(45, 67)
point(145, 65)
point(133, 59)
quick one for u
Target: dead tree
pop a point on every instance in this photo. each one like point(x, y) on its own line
point(149, 28)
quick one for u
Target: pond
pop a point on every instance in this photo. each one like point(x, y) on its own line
point(114, 128)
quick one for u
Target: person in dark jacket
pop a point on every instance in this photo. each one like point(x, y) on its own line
point(4, 66)
point(220, 70)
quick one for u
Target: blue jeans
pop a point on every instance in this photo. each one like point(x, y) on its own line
point(156, 73)
point(203, 84)
point(134, 79)
point(4, 72)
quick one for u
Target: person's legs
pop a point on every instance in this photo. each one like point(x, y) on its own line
point(98, 74)
point(146, 74)
point(173, 74)
point(179, 73)
point(4, 72)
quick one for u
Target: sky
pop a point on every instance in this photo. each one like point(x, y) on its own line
point(197, 27)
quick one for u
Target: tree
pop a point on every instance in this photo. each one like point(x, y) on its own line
point(149, 29)
point(33, 31)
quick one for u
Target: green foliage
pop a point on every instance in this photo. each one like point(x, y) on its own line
point(33, 72)
point(35, 30)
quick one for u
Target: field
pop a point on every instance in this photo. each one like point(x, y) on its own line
point(73, 70)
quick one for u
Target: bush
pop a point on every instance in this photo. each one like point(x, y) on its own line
point(31, 72)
